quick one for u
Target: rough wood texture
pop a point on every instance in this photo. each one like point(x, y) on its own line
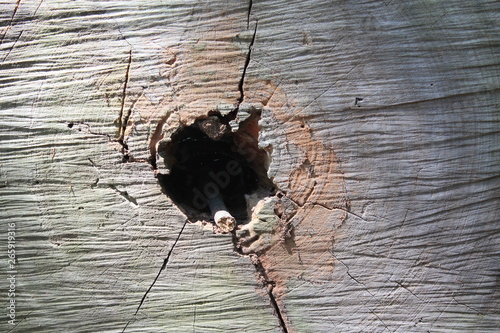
point(381, 119)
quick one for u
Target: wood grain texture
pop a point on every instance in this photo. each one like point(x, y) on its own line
point(382, 122)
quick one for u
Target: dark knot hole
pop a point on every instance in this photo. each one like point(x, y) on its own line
point(205, 172)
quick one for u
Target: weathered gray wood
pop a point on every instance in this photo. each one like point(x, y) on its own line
point(382, 122)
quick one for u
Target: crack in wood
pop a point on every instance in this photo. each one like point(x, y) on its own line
point(277, 309)
point(347, 211)
point(89, 130)
point(126, 325)
point(380, 319)
point(127, 116)
point(265, 101)
point(92, 162)
point(269, 285)
point(124, 93)
point(194, 319)
point(122, 123)
point(245, 67)
point(266, 282)
point(12, 47)
point(124, 194)
point(467, 306)
point(352, 277)
point(314, 203)
point(164, 265)
point(232, 115)
point(11, 20)
point(155, 138)
point(37, 7)
point(250, 4)
point(408, 290)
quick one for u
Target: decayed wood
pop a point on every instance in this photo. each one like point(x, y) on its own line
point(381, 123)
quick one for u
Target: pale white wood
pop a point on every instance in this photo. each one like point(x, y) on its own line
point(381, 119)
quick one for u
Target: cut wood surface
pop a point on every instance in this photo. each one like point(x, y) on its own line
point(381, 121)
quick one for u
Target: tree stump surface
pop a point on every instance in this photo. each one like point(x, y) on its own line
point(380, 120)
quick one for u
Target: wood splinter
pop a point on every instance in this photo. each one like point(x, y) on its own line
point(223, 219)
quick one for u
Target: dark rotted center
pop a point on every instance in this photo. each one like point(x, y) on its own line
point(203, 169)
